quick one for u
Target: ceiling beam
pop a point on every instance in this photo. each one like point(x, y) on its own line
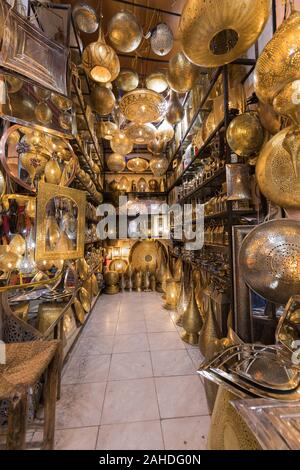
point(139, 5)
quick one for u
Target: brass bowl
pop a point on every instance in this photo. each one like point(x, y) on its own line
point(142, 106)
point(182, 75)
point(279, 63)
point(269, 260)
point(137, 165)
point(111, 278)
point(141, 134)
point(213, 35)
point(245, 135)
point(128, 80)
point(277, 172)
point(85, 299)
point(124, 32)
point(157, 81)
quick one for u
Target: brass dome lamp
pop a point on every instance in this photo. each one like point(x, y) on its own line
point(124, 32)
point(120, 143)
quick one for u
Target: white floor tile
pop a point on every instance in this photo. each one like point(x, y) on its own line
point(145, 435)
point(87, 369)
point(165, 341)
point(186, 433)
point(94, 345)
point(131, 327)
point(130, 366)
point(131, 343)
point(168, 363)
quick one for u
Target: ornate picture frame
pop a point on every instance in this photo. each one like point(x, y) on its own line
point(46, 192)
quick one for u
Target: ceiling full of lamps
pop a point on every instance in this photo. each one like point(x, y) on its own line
point(137, 73)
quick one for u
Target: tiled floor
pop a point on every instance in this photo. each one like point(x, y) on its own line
point(131, 381)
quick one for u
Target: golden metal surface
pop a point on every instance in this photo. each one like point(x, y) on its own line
point(141, 134)
point(100, 61)
point(285, 104)
point(124, 32)
point(79, 311)
point(17, 245)
point(103, 100)
point(159, 165)
point(182, 75)
point(52, 171)
point(141, 185)
point(119, 265)
point(165, 131)
point(172, 294)
point(238, 182)
point(142, 105)
point(111, 278)
point(269, 260)
point(46, 192)
point(157, 146)
point(268, 118)
point(213, 34)
point(107, 129)
point(128, 80)
point(137, 165)
point(277, 172)
point(116, 162)
point(144, 255)
point(191, 320)
point(279, 63)
point(48, 313)
point(210, 330)
point(121, 144)
point(95, 285)
point(157, 81)
point(85, 18)
point(153, 185)
point(85, 299)
point(175, 112)
point(245, 135)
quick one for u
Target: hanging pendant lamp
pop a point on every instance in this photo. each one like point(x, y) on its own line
point(120, 143)
point(182, 74)
point(156, 146)
point(165, 131)
point(124, 32)
point(102, 100)
point(162, 39)
point(159, 165)
point(175, 111)
point(157, 81)
point(100, 61)
point(116, 162)
point(128, 80)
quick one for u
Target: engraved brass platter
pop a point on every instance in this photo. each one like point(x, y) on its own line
point(277, 175)
point(85, 299)
point(145, 255)
point(270, 260)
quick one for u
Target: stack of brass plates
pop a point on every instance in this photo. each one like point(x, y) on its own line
point(255, 370)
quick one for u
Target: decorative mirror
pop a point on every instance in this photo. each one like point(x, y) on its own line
point(60, 228)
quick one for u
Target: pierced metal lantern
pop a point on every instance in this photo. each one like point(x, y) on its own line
point(143, 106)
point(159, 166)
point(165, 131)
point(120, 143)
point(156, 146)
point(127, 80)
point(124, 32)
point(116, 162)
point(137, 165)
point(141, 133)
point(100, 61)
point(182, 74)
point(175, 112)
point(245, 135)
point(238, 182)
point(103, 100)
point(107, 130)
point(162, 39)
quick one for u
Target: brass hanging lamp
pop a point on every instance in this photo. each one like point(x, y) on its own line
point(128, 80)
point(214, 34)
point(102, 100)
point(116, 162)
point(175, 112)
point(157, 81)
point(159, 166)
point(107, 129)
point(162, 39)
point(157, 145)
point(245, 135)
point(120, 143)
point(141, 134)
point(124, 32)
point(182, 74)
point(100, 61)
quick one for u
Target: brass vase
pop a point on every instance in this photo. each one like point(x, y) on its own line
point(153, 282)
point(192, 321)
point(183, 299)
point(172, 294)
point(210, 330)
point(146, 281)
point(137, 281)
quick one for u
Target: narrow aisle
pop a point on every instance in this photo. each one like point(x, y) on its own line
point(131, 381)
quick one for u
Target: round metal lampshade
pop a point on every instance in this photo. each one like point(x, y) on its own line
point(182, 74)
point(100, 61)
point(128, 80)
point(124, 32)
point(279, 62)
point(141, 133)
point(156, 146)
point(270, 258)
point(137, 165)
point(245, 135)
point(162, 39)
point(85, 18)
point(120, 143)
point(165, 131)
point(143, 106)
point(214, 35)
point(107, 129)
point(159, 166)
point(157, 81)
point(116, 162)
point(277, 172)
point(103, 100)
